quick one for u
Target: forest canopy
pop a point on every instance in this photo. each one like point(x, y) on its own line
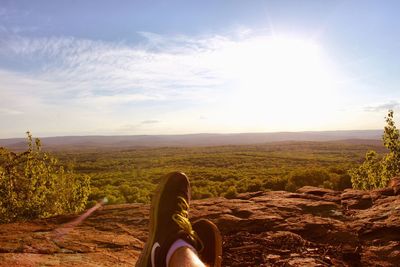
point(37, 184)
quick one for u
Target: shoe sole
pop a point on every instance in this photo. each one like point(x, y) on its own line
point(144, 258)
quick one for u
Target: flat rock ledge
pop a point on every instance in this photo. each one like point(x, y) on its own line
point(312, 227)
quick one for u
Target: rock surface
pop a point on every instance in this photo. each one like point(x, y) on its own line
point(312, 227)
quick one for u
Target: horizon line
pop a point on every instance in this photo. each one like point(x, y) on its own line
point(188, 134)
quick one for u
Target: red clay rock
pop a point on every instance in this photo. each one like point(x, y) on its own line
point(395, 185)
point(356, 199)
point(313, 227)
point(317, 191)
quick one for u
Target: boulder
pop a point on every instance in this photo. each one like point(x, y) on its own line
point(316, 191)
point(356, 199)
point(395, 185)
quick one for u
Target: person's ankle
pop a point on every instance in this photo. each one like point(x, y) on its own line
point(185, 257)
point(178, 244)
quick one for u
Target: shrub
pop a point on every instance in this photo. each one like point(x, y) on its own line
point(376, 170)
point(133, 194)
point(201, 192)
point(368, 174)
point(34, 185)
point(275, 183)
point(231, 192)
point(255, 185)
point(328, 184)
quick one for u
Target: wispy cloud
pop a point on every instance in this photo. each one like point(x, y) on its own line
point(150, 122)
point(85, 68)
point(92, 80)
point(383, 107)
point(233, 81)
point(10, 18)
point(7, 111)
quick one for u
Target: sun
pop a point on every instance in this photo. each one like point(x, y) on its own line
point(286, 76)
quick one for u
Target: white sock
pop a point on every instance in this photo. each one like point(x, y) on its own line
point(174, 247)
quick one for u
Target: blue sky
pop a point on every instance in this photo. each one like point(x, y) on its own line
point(173, 67)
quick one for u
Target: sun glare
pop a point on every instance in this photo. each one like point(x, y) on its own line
point(290, 77)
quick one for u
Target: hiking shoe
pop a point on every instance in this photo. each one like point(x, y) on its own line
point(211, 254)
point(169, 220)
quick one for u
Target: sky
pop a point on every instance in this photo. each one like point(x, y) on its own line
point(98, 67)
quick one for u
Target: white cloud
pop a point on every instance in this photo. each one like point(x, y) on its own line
point(7, 111)
point(84, 80)
point(150, 122)
point(238, 82)
point(78, 69)
point(383, 107)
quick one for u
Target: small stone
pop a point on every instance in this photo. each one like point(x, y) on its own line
point(272, 257)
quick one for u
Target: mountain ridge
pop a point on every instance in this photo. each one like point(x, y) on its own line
point(186, 140)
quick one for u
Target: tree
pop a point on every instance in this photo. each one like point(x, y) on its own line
point(376, 171)
point(391, 161)
point(34, 185)
point(311, 176)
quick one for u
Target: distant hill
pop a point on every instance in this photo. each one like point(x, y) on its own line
point(130, 141)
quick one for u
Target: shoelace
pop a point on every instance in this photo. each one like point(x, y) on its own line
point(181, 218)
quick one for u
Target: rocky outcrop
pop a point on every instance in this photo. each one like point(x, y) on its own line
point(312, 227)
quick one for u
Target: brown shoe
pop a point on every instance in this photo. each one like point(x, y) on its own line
point(169, 220)
point(211, 254)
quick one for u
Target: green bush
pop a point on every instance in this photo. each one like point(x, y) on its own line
point(255, 185)
point(275, 183)
point(368, 175)
point(34, 185)
point(231, 193)
point(133, 194)
point(376, 170)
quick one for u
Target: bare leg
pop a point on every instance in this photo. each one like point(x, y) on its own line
point(185, 257)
